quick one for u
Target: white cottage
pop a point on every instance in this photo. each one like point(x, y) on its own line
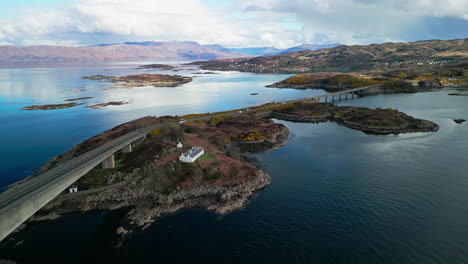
point(192, 155)
point(179, 145)
point(73, 189)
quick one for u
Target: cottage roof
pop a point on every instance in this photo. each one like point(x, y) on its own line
point(193, 152)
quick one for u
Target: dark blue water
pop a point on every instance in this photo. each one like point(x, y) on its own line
point(337, 196)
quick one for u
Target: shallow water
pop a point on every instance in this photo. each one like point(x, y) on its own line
point(337, 196)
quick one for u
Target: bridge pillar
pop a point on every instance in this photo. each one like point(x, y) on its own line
point(333, 99)
point(339, 97)
point(108, 163)
point(346, 96)
point(326, 98)
point(127, 148)
point(352, 95)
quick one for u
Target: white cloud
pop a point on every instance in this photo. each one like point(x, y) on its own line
point(280, 23)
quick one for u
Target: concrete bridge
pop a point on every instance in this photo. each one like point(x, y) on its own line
point(339, 95)
point(20, 202)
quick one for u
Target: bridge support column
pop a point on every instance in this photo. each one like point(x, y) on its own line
point(339, 97)
point(346, 96)
point(333, 99)
point(108, 163)
point(326, 98)
point(352, 95)
point(127, 148)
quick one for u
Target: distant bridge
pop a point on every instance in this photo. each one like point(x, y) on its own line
point(24, 199)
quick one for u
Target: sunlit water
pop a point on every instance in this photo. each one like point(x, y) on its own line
point(30, 138)
point(337, 195)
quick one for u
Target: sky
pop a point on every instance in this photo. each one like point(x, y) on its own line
point(231, 23)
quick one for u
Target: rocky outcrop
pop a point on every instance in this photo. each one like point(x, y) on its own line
point(147, 205)
point(50, 107)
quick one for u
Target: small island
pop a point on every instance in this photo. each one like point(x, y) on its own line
point(50, 106)
point(140, 80)
point(156, 66)
point(208, 72)
point(101, 105)
point(77, 99)
point(371, 121)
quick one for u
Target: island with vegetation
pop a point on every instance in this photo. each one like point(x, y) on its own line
point(77, 99)
point(50, 106)
point(156, 66)
point(140, 80)
point(101, 105)
point(370, 121)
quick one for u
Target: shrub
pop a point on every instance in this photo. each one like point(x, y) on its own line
point(218, 119)
point(154, 133)
point(233, 172)
point(248, 136)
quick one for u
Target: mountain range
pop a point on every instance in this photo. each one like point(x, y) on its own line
point(147, 50)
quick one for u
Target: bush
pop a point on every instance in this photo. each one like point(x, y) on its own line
point(154, 133)
point(233, 172)
point(248, 136)
point(188, 130)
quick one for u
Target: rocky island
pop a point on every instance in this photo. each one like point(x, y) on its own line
point(140, 80)
point(49, 106)
point(156, 66)
point(77, 99)
point(101, 105)
point(370, 121)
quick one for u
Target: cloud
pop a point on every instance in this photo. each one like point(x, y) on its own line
point(280, 23)
point(365, 21)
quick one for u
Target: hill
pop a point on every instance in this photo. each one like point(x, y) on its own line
point(375, 56)
point(149, 50)
point(308, 47)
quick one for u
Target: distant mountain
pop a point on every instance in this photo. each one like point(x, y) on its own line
point(259, 51)
point(308, 47)
point(148, 50)
point(270, 51)
point(401, 54)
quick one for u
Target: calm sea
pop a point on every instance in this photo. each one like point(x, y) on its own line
point(337, 195)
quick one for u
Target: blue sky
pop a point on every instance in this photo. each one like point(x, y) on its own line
point(231, 23)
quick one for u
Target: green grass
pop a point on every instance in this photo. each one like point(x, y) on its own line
point(204, 157)
point(97, 176)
